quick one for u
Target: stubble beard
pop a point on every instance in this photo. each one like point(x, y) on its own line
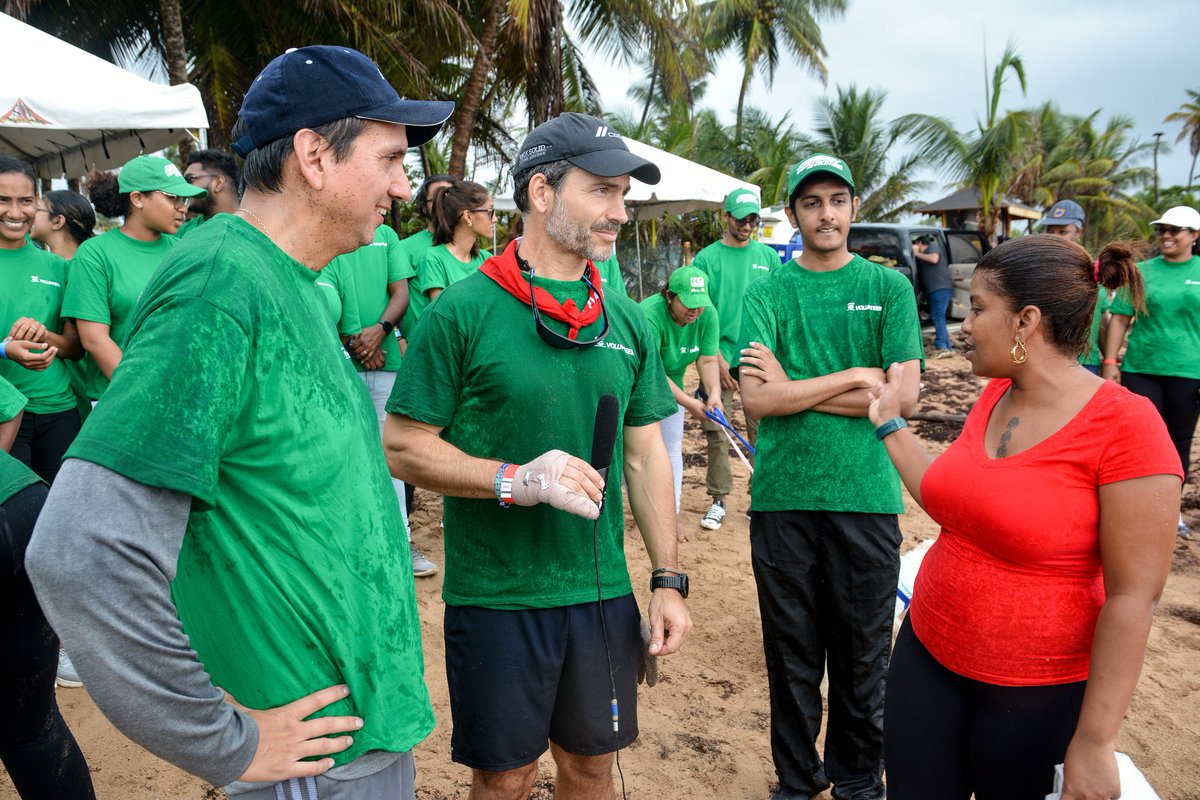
point(577, 238)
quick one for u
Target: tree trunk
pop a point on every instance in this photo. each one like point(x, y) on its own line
point(1192, 171)
point(649, 99)
point(175, 53)
point(742, 101)
point(468, 109)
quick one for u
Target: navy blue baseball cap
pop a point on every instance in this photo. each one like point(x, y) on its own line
point(1064, 212)
point(310, 86)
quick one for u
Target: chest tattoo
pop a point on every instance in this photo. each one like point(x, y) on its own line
point(1006, 437)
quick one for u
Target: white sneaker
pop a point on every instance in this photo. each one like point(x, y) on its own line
point(67, 677)
point(715, 515)
point(422, 566)
point(1183, 530)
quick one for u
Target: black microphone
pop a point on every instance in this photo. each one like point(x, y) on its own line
point(604, 435)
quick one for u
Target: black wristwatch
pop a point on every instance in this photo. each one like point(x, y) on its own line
point(669, 579)
point(387, 326)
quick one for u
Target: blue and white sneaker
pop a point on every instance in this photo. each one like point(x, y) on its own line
point(67, 677)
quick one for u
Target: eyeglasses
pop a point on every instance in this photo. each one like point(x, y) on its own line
point(192, 178)
point(553, 337)
point(48, 212)
point(176, 200)
point(1173, 230)
point(741, 223)
point(491, 212)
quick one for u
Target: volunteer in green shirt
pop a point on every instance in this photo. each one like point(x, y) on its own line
point(35, 336)
point(817, 335)
point(1162, 361)
point(64, 220)
point(341, 299)
point(493, 408)
point(413, 248)
point(40, 754)
point(226, 519)
point(610, 275)
point(732, 264)
point(381, 295)
point(110, 270)
point(685, 328)
point(216, 172)
point(462, 214)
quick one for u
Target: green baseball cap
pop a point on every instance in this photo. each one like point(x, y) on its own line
point(818, 162)
point(741, 203)
point(154, 174)
point(691, 285)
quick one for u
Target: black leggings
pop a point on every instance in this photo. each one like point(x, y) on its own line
point(43, 439)
point(36, 747)
point(1177, 400)
point(946, 736)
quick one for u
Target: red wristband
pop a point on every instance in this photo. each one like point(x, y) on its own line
point(1108, 361)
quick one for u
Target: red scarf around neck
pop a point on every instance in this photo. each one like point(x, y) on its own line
point(505, 270)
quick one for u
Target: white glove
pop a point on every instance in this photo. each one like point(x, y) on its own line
point(539, 481)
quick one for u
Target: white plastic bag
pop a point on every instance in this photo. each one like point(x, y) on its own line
point(1134, 785)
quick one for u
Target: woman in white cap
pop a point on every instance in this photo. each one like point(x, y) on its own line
point(109, 271)
point(1162, 361)
point(684, 323)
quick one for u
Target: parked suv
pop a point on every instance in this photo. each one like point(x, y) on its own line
point(891, 245)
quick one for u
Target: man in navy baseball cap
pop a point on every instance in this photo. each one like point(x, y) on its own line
point(1065, 218)
point(277, 569)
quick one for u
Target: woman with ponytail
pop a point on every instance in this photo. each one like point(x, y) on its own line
point(64, 221)
point(462, 214)
point(1030, 614)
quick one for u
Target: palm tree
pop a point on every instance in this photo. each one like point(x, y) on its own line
point(1189, 115)
point(758, 29)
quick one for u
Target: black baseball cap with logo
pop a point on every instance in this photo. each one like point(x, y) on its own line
point(587, 142)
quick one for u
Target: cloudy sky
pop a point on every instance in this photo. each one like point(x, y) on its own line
point(1122, 57)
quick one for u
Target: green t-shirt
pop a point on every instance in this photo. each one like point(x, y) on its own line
point(477, 368)
point(14, 476)
point(439, 269)
point(12, 402)
point(338, 289)
point(680, 345)
point(412, 252)
point(1103, 301)
point(730, 270)
point(189, 226)
point(375, 266)
point(108, 274)
point(818, 323)
point(1166, 339)
point(610, 276)
point(294, 573)
point(32, 284)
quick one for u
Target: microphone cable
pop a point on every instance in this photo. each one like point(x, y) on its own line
point(612, 682)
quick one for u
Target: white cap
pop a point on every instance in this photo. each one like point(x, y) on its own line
point(1180, 217)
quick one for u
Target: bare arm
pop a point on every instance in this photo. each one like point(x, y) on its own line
point(855, 402)
point(768, 392)
point(98, 342)
point(906, 451)
point(371, 337)
point(709, 368)
point(8, 431)
point(652, 499)
point(1137, 536)
point(1114, 337)
point(67, 342)
point(928, 258)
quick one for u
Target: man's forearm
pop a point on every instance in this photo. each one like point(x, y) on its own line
point(853, 403)
point(397, 301)
point(103, 573)
point(780, 398)
point(421, 457)
point(652, 498)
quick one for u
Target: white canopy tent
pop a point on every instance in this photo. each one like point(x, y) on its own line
point(685, 186)
point(69, 111)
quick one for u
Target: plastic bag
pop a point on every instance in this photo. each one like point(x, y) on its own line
point(1134, 785)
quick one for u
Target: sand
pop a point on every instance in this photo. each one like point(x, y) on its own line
point(705, 726)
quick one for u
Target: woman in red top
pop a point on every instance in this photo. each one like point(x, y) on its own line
point(1058, 504)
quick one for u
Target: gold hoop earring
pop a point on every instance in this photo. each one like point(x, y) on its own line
point(1024, 353)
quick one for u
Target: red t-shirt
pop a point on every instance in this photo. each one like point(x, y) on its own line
point(1010, 592)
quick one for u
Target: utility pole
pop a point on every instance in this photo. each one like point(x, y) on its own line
point(1157, 138)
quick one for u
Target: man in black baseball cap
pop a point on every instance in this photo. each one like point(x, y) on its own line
point(228, 519)
point(494, 408)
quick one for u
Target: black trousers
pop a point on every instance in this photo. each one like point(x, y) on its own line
point(43, 439)
point(949, 737)
point(1177, 400)
point(36, 747)
point(827, 593)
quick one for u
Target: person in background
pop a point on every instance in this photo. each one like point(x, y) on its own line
point(216, 172)
point(37, 749)
point(1162, 362)
point(413, 248)
point(610, 275)
point(687, 331)
point(64, 220)
point(1065, 219)
point(732, 264)
point(109, 271)
point(1030, 614)
point(462, 214)
point(933, 274)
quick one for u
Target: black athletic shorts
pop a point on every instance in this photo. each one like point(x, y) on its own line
point(521, 678)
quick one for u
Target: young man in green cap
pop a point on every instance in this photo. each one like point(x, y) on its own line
point(685, 325)
point(732, 263)
point(225, 519)
point(816, 336)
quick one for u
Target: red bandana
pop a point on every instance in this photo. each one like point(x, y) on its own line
point(504, 270)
